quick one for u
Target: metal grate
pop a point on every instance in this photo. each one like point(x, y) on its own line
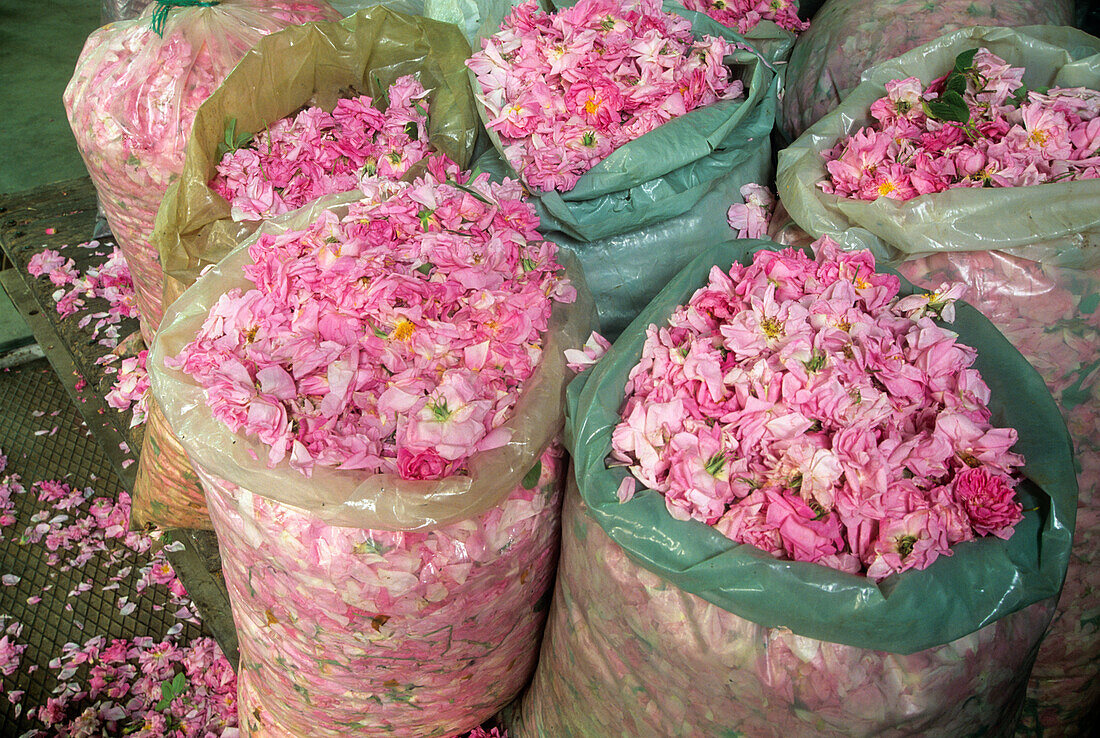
point(72, 456)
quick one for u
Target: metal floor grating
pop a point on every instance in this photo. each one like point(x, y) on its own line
point(72, 456)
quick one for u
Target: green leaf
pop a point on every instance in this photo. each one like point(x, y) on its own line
point(425, 216)
point(955, 83)
point(1019, 97)
point(412, 131)
point(426, 268)
point(949, 107)
point(531, 478)
point(471, 191)
point(382, 92)
point(232, 141)
point(179, 684)
point(1089, 303)
point(528, 265)
point(964, 62)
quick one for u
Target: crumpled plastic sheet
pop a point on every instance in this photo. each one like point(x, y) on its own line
point(628, 654)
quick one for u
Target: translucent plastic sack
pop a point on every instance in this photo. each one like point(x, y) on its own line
point(1061, 219)
point(1050, 314)
point(167, 492)
point(133, 97)
point(1029, 258)
point(666, 172)
point(367, 601)
point(625, 271)
point(626, 653)
point(849, 36)
point(368, 632)
point(985, 589)
point(306, 66)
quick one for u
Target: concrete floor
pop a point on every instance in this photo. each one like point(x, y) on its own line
point(39, 46)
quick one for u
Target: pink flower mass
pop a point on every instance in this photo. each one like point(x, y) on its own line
point(563, 90)
point(799, 406)
point(978, 127)
point(298, 160)
point(744, 15)
point(394, 339)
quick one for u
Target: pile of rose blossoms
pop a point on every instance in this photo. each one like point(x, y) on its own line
point(109, 281)
point(394, 339)
point(298, 160)
point(977, 126)
point(564, 90)
point(800, 407)
point(744, 15)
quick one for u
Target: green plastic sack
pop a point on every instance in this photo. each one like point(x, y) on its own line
point(981, 582)
point(849, 36)
point(667, 171)
point(1062, 219)
point(308, 65)
point(626, 270)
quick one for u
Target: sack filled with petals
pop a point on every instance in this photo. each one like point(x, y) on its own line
point(840, 649)
point(133, 97)
point(382, 373)
point(311, 66)
point(1027, 254)
point(603, 153)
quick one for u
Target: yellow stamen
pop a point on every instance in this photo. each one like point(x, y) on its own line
point(403, 331)
point(886, 188)
point(772, 328)
point(592, 105)
point(1039, 137)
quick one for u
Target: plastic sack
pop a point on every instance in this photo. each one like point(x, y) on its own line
point(849, 36)
point(116, 10)
point(309, 65)
point(986, 589)
point(1028, 256)
point(666, 172)
point(1059, 218)
point(980, 582)
point(627, 653)
point(131, 101)
point(167, 492)
point(625, 271)
point(367, 632)
point(345, 497)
